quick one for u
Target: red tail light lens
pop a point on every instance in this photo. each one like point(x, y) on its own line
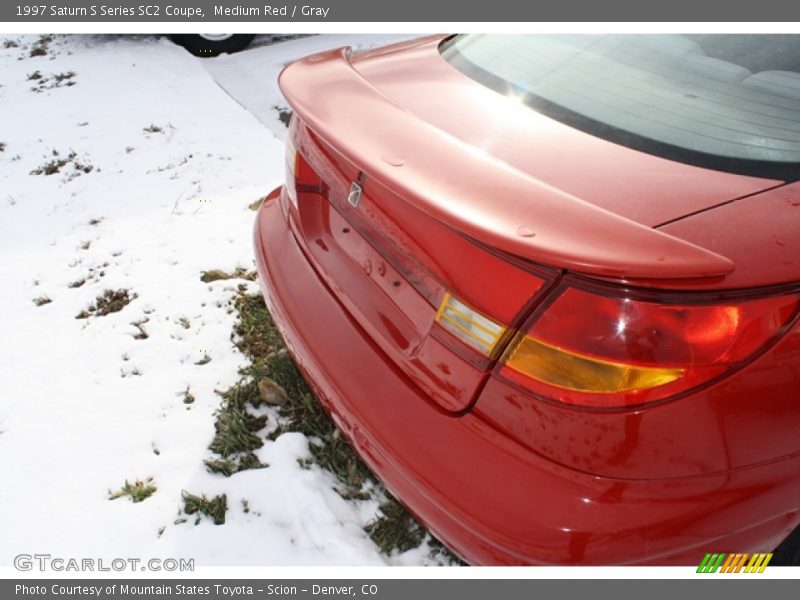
point(592, 350)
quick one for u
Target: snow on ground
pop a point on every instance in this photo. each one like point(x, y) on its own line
point(175, 163)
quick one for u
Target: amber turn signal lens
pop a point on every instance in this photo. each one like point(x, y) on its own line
point(572, 371)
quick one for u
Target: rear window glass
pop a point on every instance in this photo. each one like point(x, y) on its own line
point(727, 102)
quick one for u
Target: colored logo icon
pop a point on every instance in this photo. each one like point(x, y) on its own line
point(735, 563)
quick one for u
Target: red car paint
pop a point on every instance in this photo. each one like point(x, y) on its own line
point(498, 473)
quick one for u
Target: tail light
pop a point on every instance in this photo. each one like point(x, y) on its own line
point(300, 176)
point(588, 349)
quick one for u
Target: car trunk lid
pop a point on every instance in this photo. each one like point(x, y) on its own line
point(642, 187)
point(436, 217)
point(475, 192)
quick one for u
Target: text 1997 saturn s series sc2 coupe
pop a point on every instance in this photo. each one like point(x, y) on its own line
point(548, 286)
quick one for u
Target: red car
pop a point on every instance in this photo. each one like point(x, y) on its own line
point(548, 286)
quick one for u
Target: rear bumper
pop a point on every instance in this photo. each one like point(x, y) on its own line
point(486, 497)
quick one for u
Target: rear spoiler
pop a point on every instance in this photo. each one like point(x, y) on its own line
point(473, 192)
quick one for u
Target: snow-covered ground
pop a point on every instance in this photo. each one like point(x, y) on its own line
point(157, 166)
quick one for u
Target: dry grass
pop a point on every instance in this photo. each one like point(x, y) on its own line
point(41, 46)
point(137, 491)
point(54, 164)
point(395, 529)
point(213, 508)
point(140, 334)
point(110, 301)
point(220, 275)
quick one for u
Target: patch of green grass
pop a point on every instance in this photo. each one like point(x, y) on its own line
point(302, 412)
point(110, 301)
point(255, 335)
point(213, 508)
point(236, 427)
point(137, 491)
point(337, 456)
point(230, 466)
point(394, 529)
point(440, 551)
